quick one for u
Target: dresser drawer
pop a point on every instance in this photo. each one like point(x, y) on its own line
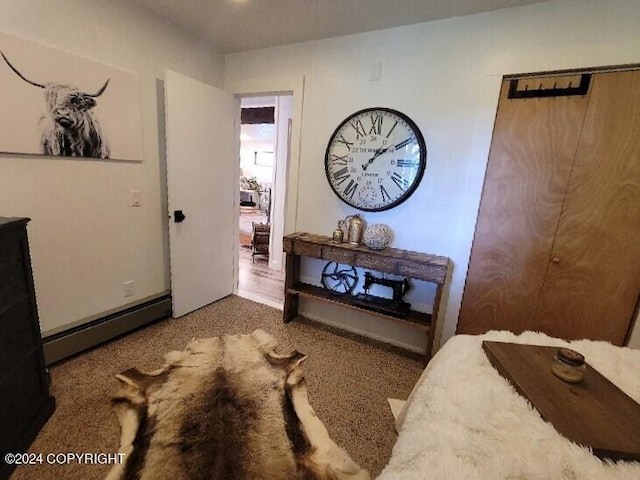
point(17, 332)
point(24, 393)
point(13, 279)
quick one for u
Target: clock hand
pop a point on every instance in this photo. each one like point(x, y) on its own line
point(379, 152)
point(404, 143)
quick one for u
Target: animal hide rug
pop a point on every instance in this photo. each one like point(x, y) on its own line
point(225, 408)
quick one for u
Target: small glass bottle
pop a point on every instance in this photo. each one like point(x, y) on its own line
point(568, 365)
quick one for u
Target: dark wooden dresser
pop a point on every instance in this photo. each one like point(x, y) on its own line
point(25, 403)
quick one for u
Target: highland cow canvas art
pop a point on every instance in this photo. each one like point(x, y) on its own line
point(57, 104)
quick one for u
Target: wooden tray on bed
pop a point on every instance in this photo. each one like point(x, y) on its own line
point(594, 413)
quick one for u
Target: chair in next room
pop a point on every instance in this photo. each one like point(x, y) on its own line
point(260, 240)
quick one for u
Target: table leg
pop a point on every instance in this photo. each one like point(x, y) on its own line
point(292, 275)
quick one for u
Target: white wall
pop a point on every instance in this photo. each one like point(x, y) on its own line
point(445, 75)
point(265, 135)
point(85, 239)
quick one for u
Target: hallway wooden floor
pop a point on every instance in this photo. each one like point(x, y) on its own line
point(259, 283)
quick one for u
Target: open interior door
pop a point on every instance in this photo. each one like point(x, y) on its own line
point(202, 161)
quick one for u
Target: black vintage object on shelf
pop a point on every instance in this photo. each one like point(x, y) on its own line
point(25, 403)
point(394, 306)
point(339, 279)
point(414, 265)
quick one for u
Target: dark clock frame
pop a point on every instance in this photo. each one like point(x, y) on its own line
point(421, 168)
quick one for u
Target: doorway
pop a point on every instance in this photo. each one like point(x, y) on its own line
point(264, 153)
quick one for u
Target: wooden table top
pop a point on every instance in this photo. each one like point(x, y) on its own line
point(408, 263)
point(594, 413)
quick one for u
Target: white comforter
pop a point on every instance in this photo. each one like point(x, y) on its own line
point(464, 421)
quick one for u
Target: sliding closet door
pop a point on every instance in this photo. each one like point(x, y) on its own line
point(532, 152)
point(593, 282)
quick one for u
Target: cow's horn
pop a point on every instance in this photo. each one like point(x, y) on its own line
point(104, 87)
point(19, 74)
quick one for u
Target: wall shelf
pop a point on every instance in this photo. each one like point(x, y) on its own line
point(419, 319)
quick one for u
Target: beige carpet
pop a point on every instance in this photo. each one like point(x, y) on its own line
point(348, 380)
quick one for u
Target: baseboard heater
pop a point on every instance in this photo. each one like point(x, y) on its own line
point(75, 340)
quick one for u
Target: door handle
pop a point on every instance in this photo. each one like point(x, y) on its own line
point(178, 216)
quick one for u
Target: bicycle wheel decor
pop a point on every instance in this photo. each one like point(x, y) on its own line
point(339, 279)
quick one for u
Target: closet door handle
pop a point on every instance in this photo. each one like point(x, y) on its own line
point(555, 260)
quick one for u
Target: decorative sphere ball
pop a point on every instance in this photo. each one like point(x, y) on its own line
point(377, 236)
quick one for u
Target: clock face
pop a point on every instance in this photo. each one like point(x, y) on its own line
point(375, 159)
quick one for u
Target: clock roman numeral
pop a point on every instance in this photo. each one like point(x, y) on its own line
point(400, 181)
point(350, 188)
point(394, 126)
point(359, 128)
point(385, 195)
point(403, 162)
point(340, 176)
point(339, 160)
point(341, 139)
point(376, 125)
point(404, 144)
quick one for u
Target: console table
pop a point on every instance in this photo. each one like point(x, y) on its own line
point(416, 265)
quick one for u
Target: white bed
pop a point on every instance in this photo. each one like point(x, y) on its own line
point(465, 421)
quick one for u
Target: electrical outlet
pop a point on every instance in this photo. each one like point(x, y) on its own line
point(128, 288)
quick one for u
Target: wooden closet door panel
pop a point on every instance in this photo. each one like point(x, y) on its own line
point(592, 288)
point(532, 151)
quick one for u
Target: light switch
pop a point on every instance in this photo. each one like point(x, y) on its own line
point(135, 199)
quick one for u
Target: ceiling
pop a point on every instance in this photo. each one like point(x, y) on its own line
point(239, 25)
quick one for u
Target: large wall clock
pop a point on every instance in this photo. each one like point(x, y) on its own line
point(375, 159)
